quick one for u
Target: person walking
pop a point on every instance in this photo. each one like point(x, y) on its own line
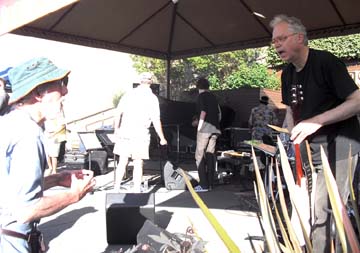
point(322, 102)
point(136, 111)
point(208, 130)
point(55, 133)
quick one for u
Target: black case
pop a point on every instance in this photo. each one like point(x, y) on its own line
point(77, 160)
point(126, 213)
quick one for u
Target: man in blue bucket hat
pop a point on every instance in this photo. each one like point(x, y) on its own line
point(38, 88)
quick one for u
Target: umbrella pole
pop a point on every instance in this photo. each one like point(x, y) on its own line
point(168, 70)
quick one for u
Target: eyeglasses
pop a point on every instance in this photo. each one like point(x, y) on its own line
point(281, 39)
point(64, 81)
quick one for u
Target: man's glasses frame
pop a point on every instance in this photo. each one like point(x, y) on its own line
point(64, 81)
point(281, 39)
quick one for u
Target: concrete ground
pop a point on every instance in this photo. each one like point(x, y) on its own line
point(82, 226)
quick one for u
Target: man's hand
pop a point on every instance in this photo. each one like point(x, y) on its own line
point(163, 142)
point(303, 130)
point(64, 177)
point(80, 181)
point(195, 121)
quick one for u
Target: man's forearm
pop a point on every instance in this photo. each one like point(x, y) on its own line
point(349, 108)
point(46, 206)
point(201, 119)
point(158, 129)
point(289, 120)
point(51, 181)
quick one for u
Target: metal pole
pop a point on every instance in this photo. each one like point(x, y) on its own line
point(178, 142)
point(168, 72)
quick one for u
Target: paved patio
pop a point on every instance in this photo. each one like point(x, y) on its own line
point(82, 227)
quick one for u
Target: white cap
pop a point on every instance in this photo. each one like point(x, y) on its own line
point(145, 76)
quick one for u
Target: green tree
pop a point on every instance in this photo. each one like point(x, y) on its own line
point(146, 64)
point(240, 68)
point(254, 75)
point(116, 98)
point(227, 70)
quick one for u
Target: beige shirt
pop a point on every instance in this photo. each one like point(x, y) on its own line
point(55, 129)
point(138, 108)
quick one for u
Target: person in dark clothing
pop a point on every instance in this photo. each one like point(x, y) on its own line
point(260, 117)
point(322, 102)
point(208, 130)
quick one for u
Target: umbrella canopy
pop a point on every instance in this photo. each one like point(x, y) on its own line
point(173, 29)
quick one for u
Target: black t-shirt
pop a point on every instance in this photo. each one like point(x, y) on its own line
point(207, 102)
point(325, 84)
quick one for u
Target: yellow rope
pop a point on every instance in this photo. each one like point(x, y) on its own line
point(232, 247)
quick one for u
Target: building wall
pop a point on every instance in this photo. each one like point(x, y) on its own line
point(354, 71)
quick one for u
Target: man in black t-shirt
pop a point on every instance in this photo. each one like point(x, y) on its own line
point(321, 105)
point(208, 129)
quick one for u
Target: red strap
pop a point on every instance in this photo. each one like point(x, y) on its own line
point(299, 170)
point(13, 234)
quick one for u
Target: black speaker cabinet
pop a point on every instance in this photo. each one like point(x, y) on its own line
point(77, 160)
point(126, 213)
point(99, 162)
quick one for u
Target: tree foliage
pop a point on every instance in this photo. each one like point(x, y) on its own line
point(242, 68)
point(227, 70)
point(116, 98)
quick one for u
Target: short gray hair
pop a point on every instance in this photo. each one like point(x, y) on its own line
point(295, 25)
point(146, 77)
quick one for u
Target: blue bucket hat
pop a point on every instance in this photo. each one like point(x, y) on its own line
point(31, 74)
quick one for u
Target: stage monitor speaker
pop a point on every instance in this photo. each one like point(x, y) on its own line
point(173, 179)
point(126, 213)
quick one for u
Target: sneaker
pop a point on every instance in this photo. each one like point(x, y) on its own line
point(147, 189)
point(121, 189)
point(198, 188)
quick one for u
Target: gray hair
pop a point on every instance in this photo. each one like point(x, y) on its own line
point(295, 25)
